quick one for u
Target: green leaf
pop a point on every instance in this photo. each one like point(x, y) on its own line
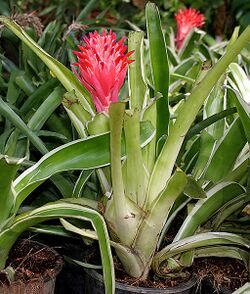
point(205, 208)
point(62, 210)
point(190, 43)
point(230, 144)
point(157, 214)
point(243, 290)
point(34, 100)
point(135, 174)
point(193, 189)
point(230, 207)
point(165, 163)
point(206, 145)
point(214, 105)
point(209, 122)
point(46, 109)
point(6, 111)
point(8, 170)
point(242, 100)
point(159, 67)
point(80, 183)
point(13, 90)
point(137, 86)
point(193, 242)
point(84, 154)
point(64, 75)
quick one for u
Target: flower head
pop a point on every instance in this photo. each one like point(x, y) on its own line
point(102, 64)
point(186, 20)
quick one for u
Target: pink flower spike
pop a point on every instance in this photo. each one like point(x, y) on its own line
point(102, 67)
point(187, 19)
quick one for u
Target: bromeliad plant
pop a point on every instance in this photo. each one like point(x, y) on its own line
point(134, 145)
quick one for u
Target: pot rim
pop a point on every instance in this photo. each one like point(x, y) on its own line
point(121, 286)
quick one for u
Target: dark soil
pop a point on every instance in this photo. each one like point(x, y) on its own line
point(71, 278)
point(152, 281)
point(32, 260)
point(223, 273)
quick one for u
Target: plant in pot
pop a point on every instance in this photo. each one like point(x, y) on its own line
point(13, 224)
point(141, 144)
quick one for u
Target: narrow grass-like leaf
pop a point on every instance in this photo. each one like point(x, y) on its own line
point(38, 95)
point(64, 75)
point(80, 183)
point(46, 109)
point(6, 111)
point(209, 121)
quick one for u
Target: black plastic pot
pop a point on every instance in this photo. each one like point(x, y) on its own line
point(43, 285)
point(94, 285)
point(207, 287)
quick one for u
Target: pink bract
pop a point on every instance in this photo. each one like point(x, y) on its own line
point(187, 19)
point(103, 65)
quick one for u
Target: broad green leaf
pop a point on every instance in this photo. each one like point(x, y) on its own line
point(124, 251)
point(25, 83)
point(13, 90)
point(204, 209)
point(99, 124)
point(83, 154)
point(53, 230)
point(191, 154)
point(75, 112)
point(61, 210)
point(165, 163)
point(159, 67)
point(148, 153)
point(184, 66)
point(214, 105)
point(230, 145)
point(120, 206)
point(192, 243)
point(230, 207)
point(206, 145)
point(224, 251)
